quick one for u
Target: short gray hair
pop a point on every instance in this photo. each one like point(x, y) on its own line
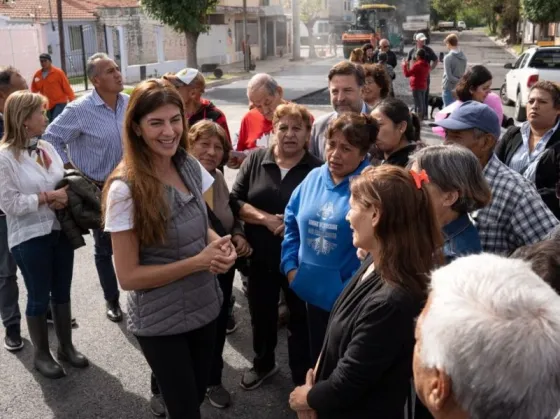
point(91, 66)
point(455, 168)
point(263, 80)
point(493, 326)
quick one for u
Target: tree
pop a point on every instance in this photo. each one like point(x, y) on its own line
point(189, 17)
point(309, 13)
point(447, 9)
point(542, 12)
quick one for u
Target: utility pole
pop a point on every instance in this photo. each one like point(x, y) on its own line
point(61, 35)
point(247, 48)
point(296, 45)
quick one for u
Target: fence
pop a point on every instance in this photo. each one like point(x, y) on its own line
point(83, 41)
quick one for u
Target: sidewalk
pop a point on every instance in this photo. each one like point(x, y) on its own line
point(271, 65)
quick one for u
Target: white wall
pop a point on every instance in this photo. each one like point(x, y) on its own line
point(211, 48)
point(21, 46)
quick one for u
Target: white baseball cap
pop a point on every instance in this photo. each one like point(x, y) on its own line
point(420, 37)
point(187, 75)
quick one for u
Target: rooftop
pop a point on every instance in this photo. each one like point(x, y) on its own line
point(44, 10)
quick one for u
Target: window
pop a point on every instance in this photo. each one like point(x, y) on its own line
point(524, 61)
point(75, 38)
point(546, 58)
point(518, 62)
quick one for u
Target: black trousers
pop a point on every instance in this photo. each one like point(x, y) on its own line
point(264, 286)
point(318, 320)
point(181, 364)
point(421, 411)
point(226, 284)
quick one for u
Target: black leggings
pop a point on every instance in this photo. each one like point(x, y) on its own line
point(181, 364)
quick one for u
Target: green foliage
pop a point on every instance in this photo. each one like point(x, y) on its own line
point(309, 11)
point(447, 9)
point(542, 11)
point(182, 15)
point(471, 16)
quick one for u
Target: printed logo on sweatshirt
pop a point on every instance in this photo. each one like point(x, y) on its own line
point(323, 231)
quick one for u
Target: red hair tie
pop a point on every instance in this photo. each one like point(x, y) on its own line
point(419, 178)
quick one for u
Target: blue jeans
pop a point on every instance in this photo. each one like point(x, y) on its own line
point(447, 97)
point(420, 103)
point(54, 112)
point(9, 291)
point(47, 264)
point(103, 250)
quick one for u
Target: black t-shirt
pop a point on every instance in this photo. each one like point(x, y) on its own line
point(430, 54)
point(259, 183)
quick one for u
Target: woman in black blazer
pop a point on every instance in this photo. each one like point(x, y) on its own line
point(365, 367)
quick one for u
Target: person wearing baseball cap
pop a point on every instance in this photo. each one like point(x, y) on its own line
point(431, 57)
point(191, 85)
point(52, 83)
point(516, 216)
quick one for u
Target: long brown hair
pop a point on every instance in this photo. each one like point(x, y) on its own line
point(137, 168)
point(409, 236)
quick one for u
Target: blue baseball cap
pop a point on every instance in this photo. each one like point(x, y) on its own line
point(470, 115)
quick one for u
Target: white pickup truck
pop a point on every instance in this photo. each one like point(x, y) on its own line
point(535, 64)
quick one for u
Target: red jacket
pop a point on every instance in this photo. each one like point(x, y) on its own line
point(418, 74)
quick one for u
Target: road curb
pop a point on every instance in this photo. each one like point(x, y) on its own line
point(314, 92)
point(246, 76)
point(503, 46)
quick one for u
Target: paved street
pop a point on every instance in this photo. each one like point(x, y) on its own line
point(116, 386)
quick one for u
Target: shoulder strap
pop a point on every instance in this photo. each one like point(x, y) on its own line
point(215, 222)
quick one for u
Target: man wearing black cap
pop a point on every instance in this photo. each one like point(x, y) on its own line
point(517, 216)
point(52, 83)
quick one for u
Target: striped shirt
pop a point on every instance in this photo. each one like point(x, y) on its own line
point(88, 134)
point(525, 161)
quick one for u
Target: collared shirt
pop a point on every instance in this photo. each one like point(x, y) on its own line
point(524, 161)
point(516, 217)
point(88, 134)
point(21, 180)
point(364, 107)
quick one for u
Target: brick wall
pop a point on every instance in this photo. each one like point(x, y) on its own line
point(140, 39)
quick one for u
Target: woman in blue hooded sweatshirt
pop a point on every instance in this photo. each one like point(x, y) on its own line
point(318, 256)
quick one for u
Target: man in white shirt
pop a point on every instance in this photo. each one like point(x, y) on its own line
point(10, 81)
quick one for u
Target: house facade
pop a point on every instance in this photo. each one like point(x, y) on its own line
point(144, 47)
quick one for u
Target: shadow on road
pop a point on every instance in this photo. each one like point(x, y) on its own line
point(86, 394)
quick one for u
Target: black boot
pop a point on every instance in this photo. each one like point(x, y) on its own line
point(63, 325)
point(43, 359)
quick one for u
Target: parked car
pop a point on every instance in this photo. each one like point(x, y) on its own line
point(461, 26)
point(446, 26)
point(535, 64)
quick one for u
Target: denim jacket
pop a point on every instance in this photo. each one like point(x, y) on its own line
point(461, 238)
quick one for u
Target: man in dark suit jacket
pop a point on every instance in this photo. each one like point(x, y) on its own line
point(346, 81)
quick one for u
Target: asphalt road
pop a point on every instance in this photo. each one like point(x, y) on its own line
point(116, 386)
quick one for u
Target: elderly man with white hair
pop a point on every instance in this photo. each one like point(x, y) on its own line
point(488, 342)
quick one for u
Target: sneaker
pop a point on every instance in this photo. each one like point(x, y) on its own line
point(157, 406)
point(231, 325)
point(218, 396)
point(13, 341)
point(51, 321)
point(252, 379)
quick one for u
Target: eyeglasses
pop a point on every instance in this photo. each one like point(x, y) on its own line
point(384, 46)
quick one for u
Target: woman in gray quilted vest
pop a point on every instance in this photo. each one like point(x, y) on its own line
point(166, 255)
